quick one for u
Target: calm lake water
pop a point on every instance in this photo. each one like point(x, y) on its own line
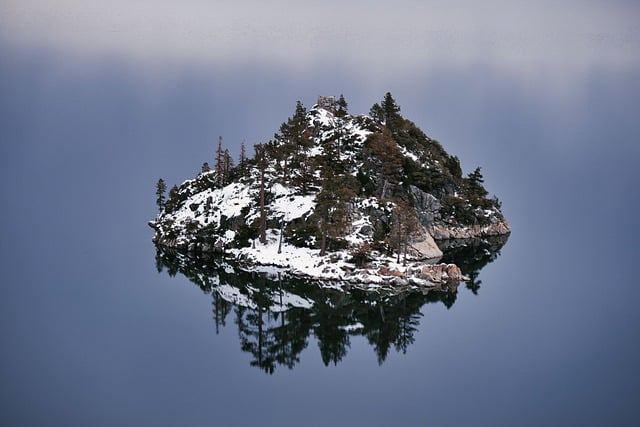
point(92, 333)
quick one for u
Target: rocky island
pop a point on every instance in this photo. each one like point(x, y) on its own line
point(364, 200)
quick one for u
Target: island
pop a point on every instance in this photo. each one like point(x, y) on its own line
point(364, 200)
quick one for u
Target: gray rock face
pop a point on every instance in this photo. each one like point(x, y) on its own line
point(427, 205)
point(441, 231)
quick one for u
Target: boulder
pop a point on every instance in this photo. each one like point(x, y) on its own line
point(384, 271)
point(427, 248)
point(442, 273)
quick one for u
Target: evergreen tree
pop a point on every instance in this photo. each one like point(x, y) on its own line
point(299, 115)
point(453, 164)
point(219, 157)
point(173, 193)
point(341, 110)
point(172, 201)
point(384, 155)
point(475, 177)
point(403, 225)
point(302, 175)
point(293, 136)
point(261, 160)
point(377, 113)
point(332, 207)
point(161, 188)
point(474, 183)
point(227, 166)
point(391, 112)
point(243, 155)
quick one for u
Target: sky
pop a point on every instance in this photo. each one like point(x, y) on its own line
point(242, 53)
point(543, 39)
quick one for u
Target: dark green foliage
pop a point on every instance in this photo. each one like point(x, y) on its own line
point(332, 211)
point(161, 188)
point(341, 107)
point(387, 113)
point(205, 181)
point(246, 234)
point(302, 234)
point(174, 200)
point(474, 184)
point(391, 110)
point(367, 186)
point(456, 209)
point(453, 165)
point(377, 113)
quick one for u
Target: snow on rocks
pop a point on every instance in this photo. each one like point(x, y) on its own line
point(305, 262)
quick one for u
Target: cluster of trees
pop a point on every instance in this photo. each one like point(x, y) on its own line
point(385, 173)
point(469, 205)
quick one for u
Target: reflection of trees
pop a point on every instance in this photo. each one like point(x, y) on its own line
point(275, 315)
point(471, 255)
point(273, 338)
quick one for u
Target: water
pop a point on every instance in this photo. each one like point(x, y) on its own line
point(92, 334)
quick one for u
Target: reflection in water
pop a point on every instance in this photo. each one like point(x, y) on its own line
point(471, 255)
point(276, 313)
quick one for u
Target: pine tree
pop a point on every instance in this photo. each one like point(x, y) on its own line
point(172, 201)
point(261, 159)
point(227, 166)
point(377, 113)
point(386, 157)
point(391, 112)
point(219, 157)
point(342, 105)
point(243, 155)
point(403, 225)
point(333, 206)
point(299, 115)
point(474, 183)
point(284, 139)
point(161, 188)
point(453, 164)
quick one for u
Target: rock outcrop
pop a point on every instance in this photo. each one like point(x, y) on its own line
point(445, 232)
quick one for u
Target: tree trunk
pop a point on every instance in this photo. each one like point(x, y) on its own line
point(323, 240)
point(281, 233)
point(263, 219)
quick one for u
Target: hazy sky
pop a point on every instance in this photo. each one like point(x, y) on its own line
point(543, 38)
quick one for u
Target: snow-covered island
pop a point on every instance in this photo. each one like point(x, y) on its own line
point(336, 197)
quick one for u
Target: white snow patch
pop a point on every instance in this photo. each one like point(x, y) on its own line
point(351, 328)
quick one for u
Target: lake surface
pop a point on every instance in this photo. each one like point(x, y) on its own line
point(93, 334)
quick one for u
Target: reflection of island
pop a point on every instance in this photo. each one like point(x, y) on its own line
point(275, 313)
point(471, 255)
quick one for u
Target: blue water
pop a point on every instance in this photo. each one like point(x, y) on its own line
point(92, 334)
